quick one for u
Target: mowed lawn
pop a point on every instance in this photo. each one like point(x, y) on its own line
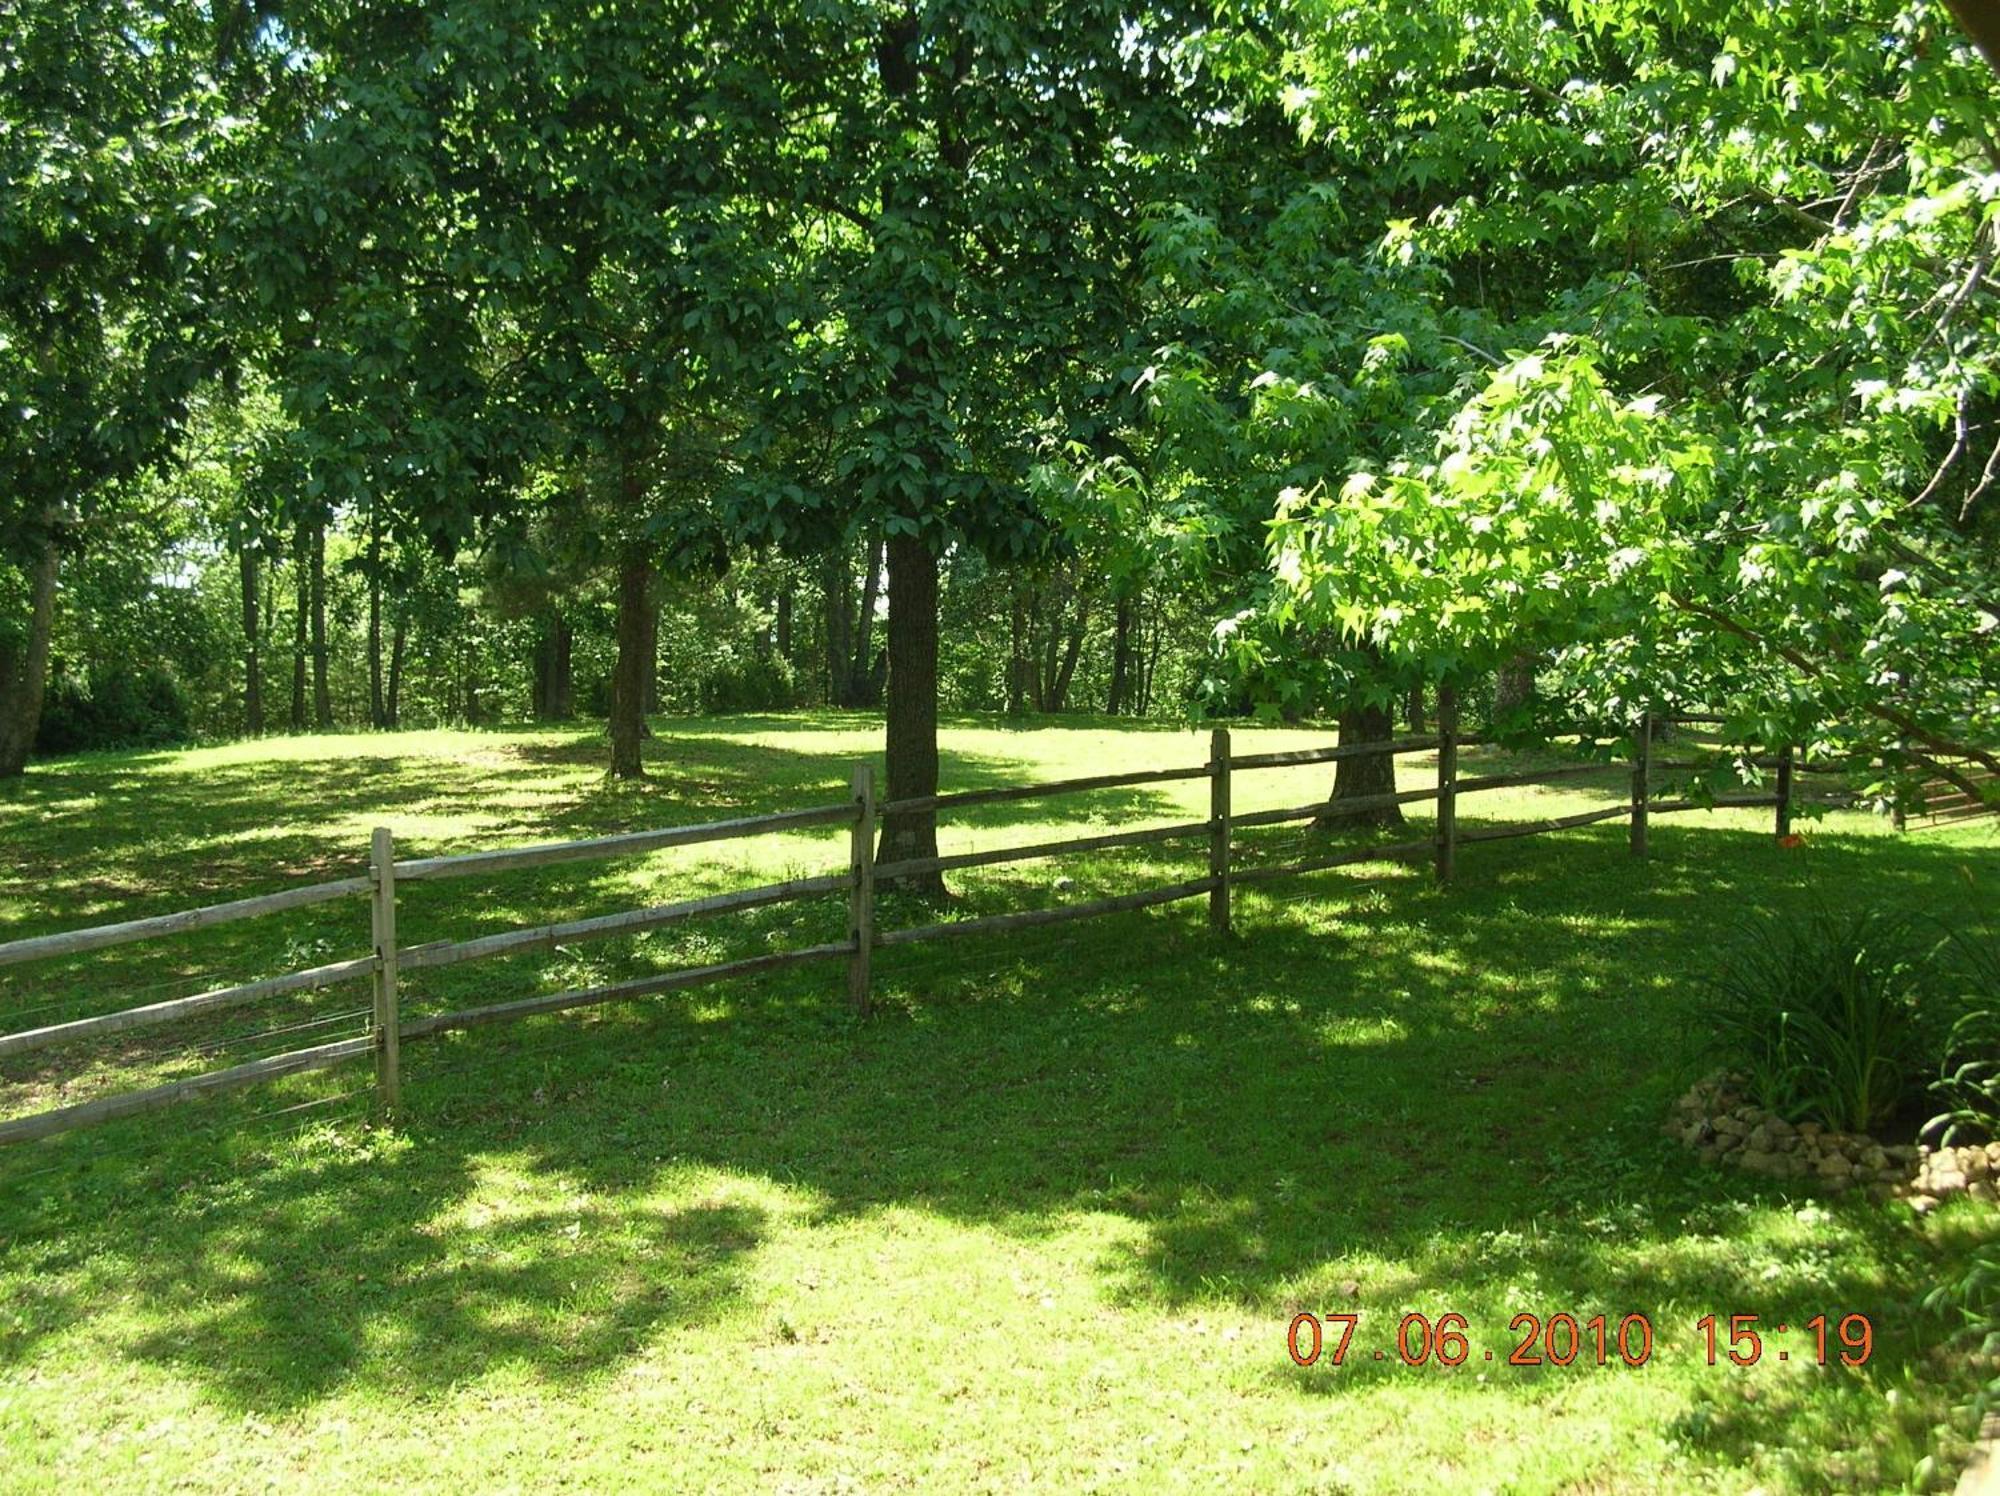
point(1041, 1222)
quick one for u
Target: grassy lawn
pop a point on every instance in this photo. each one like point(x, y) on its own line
point(1043, 1221)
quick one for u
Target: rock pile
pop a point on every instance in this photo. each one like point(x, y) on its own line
point(1717, 1121)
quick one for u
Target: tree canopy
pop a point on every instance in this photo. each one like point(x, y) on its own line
point(1315, 355)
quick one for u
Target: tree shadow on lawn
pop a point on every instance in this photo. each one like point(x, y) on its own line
point(280, 1288)
point(1451, 1097)
point(207, 831)
point(188, 834)
point(210, 809)
point(188, 838)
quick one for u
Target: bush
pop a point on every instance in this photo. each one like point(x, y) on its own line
point(748, 681)
point(1826, 1018)
point(1969, 1087)
point(141, 708)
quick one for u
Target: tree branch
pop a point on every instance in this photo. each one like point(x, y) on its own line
point(1902, 722)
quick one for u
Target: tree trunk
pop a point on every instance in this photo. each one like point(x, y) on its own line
point(550, 691)
point(837, 583)
point(1514, 686)
point(1152, 670)
point(650, 681)
point(378, 707)
point(539, 670)
point(1059, 696)
point(1044, 615)
point(268, 618)
point(1017, 653)
point(1413, 708)
point(301, 606)
point(861, 689)
point(628, 675)
point(24, 666)
point(1116, 700)
point(1980, 20)
point(253, 664)
point(322, 695)
point(913, 705)
point(562, 687)
point(396, 654)
point(1357, 778)
point(783, 640)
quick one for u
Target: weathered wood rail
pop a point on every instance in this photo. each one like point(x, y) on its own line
point(384, 965)
point(1943, 803)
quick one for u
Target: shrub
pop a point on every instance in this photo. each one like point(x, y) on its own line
point(1971, 1297)
point(126, 708)
point(1826, 1017)
point(1969, 1087)
point(753, 680)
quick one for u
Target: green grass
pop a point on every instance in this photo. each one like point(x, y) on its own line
point(1042, 1221)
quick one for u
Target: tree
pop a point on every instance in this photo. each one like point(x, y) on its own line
point(1751, 462)
point(108, 138)
point(973, 165)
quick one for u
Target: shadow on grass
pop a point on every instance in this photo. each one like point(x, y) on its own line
point(225, 830)
point(189, 835)
point(1449, 1097)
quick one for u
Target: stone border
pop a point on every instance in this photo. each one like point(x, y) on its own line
point(1716, 1120)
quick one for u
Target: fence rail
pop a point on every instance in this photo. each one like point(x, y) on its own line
point(388, 960)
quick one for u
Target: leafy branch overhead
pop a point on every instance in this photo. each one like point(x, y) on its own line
point(1657, 342)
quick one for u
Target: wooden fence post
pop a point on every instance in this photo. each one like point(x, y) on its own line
point(1642, 753)
point(861, 897)
point(1218, 830)
point(1784, 792)
point(388, 1022)
point(1447, 811)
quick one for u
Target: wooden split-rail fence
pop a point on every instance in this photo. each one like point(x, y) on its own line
point(384, 965)
point(1941, 802)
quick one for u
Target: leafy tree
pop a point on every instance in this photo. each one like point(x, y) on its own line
point(975, 168)
point(109, 136)
point(1683, 321)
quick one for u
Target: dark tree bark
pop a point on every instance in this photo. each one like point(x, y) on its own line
point(269, 616)
point(562, 683)
point(628, 675)
point(1159, 634)
point(1072, 648)
point(1358, 778)
point(861, 689)
point(650, 682)
point(301, 607)
point(1044, 615)
point(1413, 708)
point(912, 736)
point(551, 690)
point(1123, 626)
point(1017, 653)
point(397, 650)
point(783, 625)
point(1514, 686)
point(378, 706)
point(24, 665)
point(253, 663)
point(538, 672)
point(837, 585)
point(1980, 20)
point(322, 694)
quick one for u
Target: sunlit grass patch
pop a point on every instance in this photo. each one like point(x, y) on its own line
point(1043, 1220)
